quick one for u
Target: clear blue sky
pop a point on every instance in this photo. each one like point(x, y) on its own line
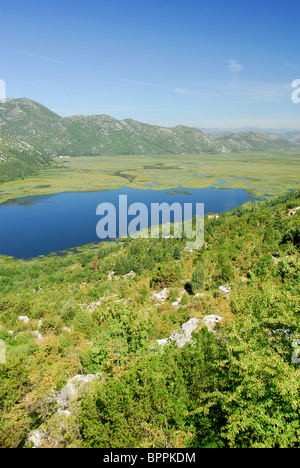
point(200, 63)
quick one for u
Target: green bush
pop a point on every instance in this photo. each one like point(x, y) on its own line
point(165, 275)
point(69, 311)
point(198, 279)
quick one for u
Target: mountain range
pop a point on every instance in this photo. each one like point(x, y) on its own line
point(285, 133)
point(80, 135)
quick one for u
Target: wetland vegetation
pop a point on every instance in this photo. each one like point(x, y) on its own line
point(260, 173)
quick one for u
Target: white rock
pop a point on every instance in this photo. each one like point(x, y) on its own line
point(71, 390)
point(211, 321)
point(160, 296)
point(24, 319)
point(37, 334)
point(225, 291)
point(37, 438)
point(183, 335)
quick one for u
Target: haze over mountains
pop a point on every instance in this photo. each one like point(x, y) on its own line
point(79, 135)
point(286, 133)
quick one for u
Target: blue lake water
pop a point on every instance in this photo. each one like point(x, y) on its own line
point(39, 225)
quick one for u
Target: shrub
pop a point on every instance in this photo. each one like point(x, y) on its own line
point(263, 265)
point(69, 311)
point(165, 275)
point(198, 279)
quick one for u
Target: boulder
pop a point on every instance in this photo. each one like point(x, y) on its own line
point(74, 389)
point(64, 420)
point(24, 319)
point(37, 438)
point(184, 335)
point(210, 321)
point(225, 291)
point(160, 296)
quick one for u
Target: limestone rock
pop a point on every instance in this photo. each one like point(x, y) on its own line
point(73, 390)
point(160, 296)
point(24, 319)
point(183, 335)
point(64, 420)
point(210, 321)
point(38, 438)
point(225, 291)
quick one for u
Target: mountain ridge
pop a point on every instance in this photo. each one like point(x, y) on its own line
point(89, 135)
point(290, 134)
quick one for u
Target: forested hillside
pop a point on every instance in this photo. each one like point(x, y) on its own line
point(18, 159)
point(98, 314)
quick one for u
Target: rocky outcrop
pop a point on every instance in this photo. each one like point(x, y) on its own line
point(225, 291)
point(211, 321)
point(184, 335)
point(62, 424)
point(160, 296)
point(75, 388)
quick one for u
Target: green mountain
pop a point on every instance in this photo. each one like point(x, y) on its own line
point(18, 159)
point(254, 141)
point(103, 135)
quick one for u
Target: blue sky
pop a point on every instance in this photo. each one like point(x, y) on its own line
point(199, 63)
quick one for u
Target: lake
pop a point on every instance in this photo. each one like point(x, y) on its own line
point(39, 225)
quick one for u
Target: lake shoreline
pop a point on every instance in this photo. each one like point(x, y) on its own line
point(258, 173)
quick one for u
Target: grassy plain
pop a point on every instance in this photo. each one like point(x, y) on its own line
point(259, 173)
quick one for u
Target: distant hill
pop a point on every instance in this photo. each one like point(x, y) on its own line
point(285, 133)
point(81, 135)
point(254, 141)
point(292, 135)
point(18, 159)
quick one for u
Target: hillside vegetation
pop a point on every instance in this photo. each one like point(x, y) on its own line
point(98, 315)
point(103, 135)
point(19, 160)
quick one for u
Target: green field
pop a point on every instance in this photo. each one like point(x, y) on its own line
point(263, 174)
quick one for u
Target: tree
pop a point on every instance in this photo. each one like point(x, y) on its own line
point(198, 279)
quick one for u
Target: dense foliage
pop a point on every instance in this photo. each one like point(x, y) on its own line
point(19, 160)
point(94, 312)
